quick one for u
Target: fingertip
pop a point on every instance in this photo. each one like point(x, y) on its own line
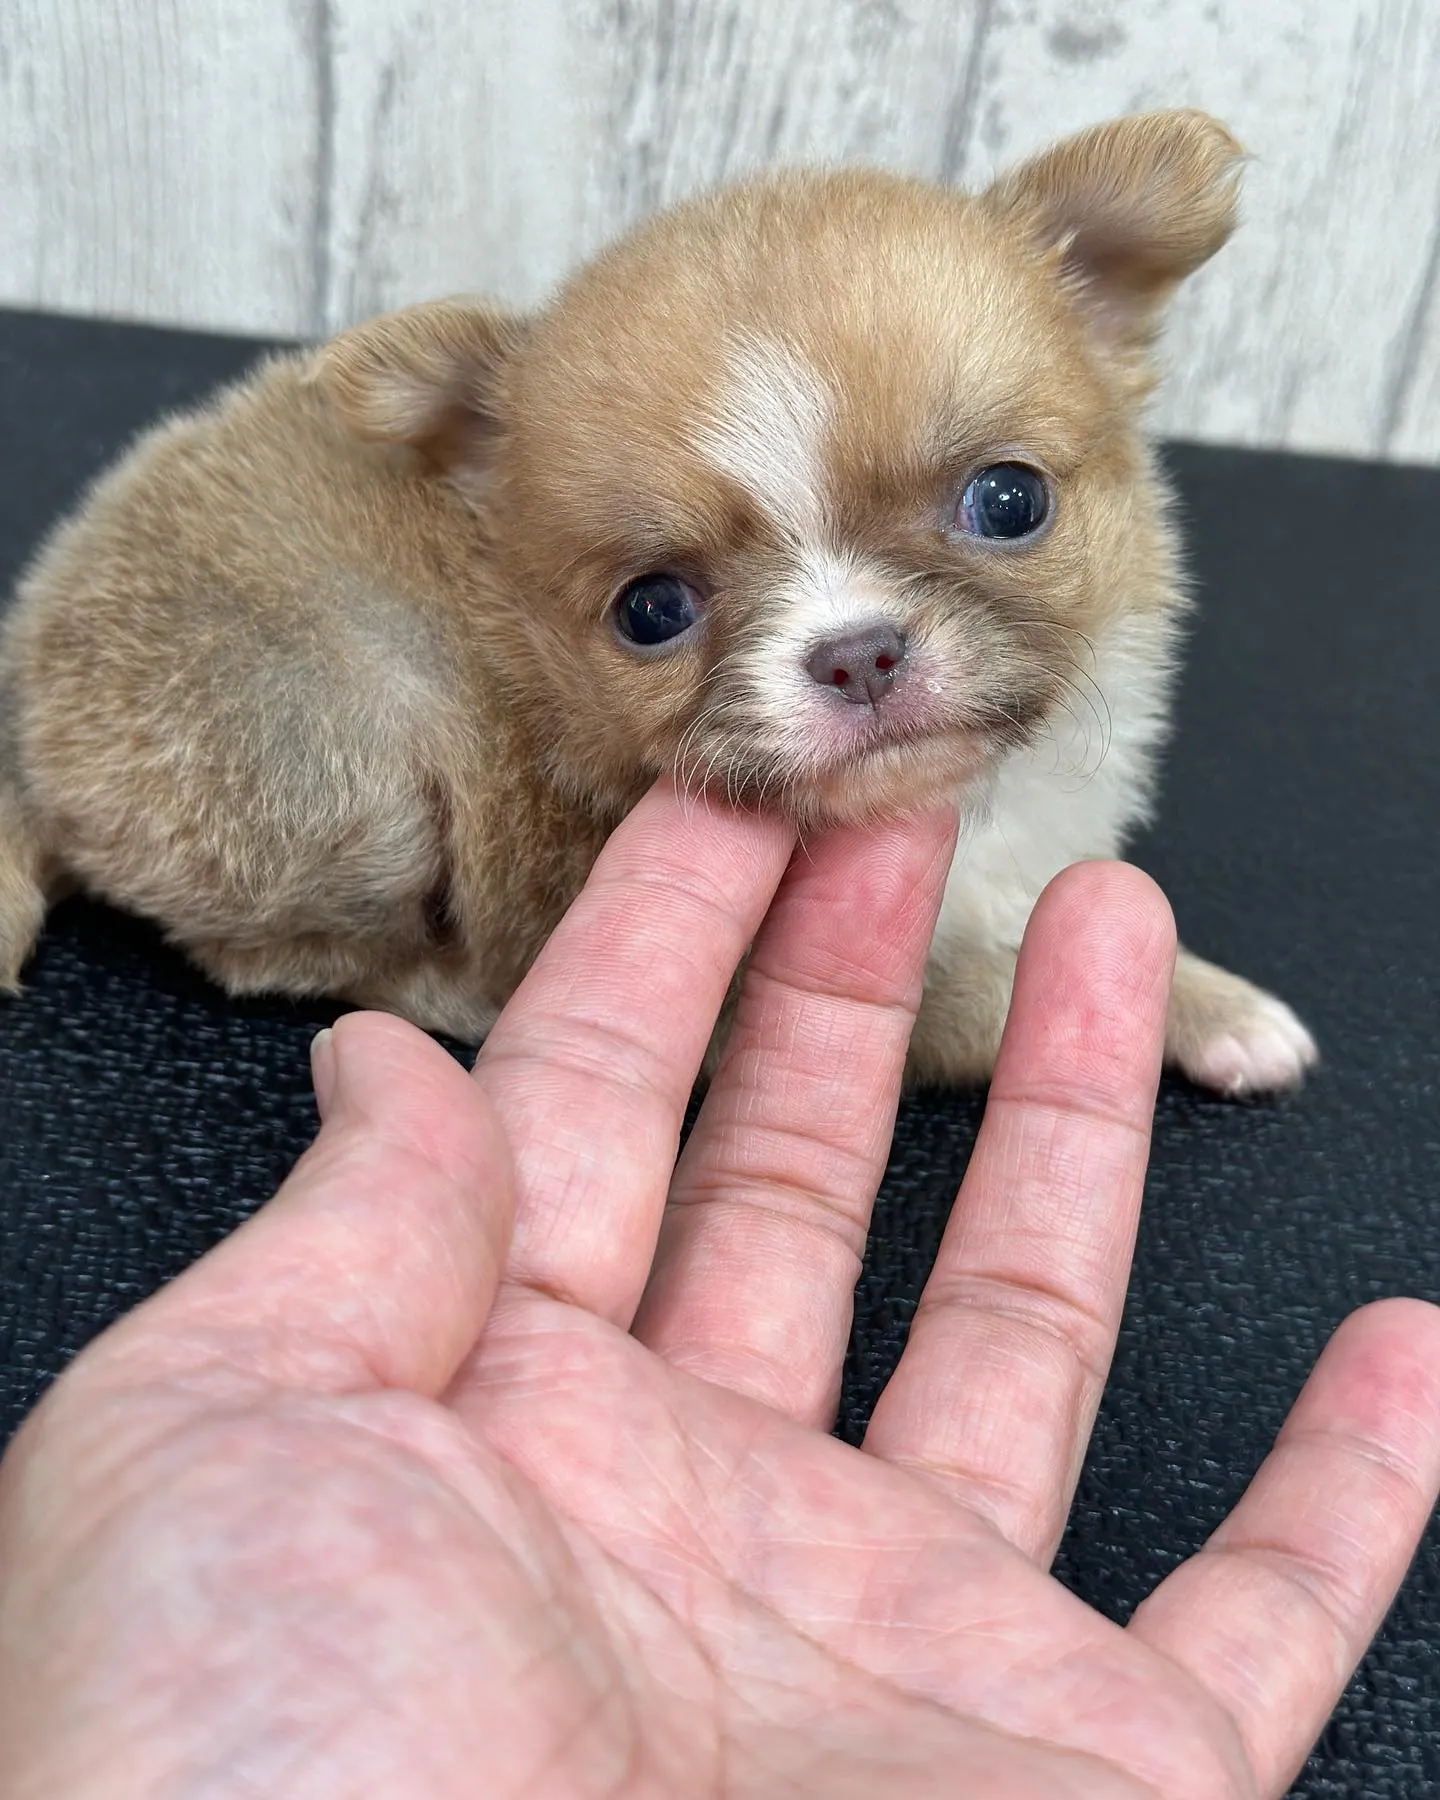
point(1113, 895)
point(1092, 991)
point(1104, 928)
point(322, 1070)
point(1110, 925)
point(1389, 1352)
point(1376, 1386)
point(371, 1065)
point(1404, 1315)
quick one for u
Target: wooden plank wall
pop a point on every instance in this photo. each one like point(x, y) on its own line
point(285, 166)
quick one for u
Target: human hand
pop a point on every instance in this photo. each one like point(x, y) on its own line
point(415, 1487)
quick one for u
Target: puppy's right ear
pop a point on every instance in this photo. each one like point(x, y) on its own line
point(432, 376)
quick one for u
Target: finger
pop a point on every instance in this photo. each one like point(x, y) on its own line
point(1274, 1613)
point(592, 1062)
point(762, 1242)
point(996, 1392)
point(376, 1262)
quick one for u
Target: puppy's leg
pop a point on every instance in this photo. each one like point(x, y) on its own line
point(1223, 1033)
point(957, 1032)
point(22, 891)
point(1228, 1035)
point(434, 998)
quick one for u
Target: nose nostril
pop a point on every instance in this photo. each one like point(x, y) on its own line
point(860, 665)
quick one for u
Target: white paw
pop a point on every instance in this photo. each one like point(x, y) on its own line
point(1261, 1048)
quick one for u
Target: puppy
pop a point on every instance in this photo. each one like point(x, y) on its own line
point(828, 492)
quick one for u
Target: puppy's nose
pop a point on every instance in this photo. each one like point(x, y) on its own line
point(862, 664)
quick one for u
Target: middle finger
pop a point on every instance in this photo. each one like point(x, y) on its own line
point(755, 1273)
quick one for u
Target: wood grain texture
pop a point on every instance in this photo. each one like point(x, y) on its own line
point(286, 166)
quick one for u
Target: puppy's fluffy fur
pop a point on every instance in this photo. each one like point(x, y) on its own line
point(327, 677)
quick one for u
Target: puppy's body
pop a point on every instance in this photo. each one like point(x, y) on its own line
point(266, 716)
point(346, 678)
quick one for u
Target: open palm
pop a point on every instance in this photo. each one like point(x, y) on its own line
point(490, 1459)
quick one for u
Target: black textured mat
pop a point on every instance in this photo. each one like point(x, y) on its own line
point(142, 1114)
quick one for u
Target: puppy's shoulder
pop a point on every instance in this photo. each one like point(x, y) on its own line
point(259, 501)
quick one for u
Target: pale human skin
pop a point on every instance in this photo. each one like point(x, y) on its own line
point(467, 1469)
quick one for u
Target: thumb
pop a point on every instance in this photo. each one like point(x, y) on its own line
point(376, 1263)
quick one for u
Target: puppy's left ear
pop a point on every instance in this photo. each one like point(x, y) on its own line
point(433, 376)
point(1128, 210)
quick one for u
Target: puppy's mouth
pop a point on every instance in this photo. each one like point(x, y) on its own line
point(832, 760)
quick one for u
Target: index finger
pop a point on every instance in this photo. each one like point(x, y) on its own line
point(592, 1062)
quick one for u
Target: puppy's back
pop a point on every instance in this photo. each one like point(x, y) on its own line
point(236, 681)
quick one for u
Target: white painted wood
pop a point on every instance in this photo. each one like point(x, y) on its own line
point(285, 166)
point(1309, 328)
point(157, 159)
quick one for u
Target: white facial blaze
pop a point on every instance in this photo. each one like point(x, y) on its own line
point(767, 433)
point(827, 595)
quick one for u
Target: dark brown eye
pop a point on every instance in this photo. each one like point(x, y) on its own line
point(1005, 501)
point(655, 609)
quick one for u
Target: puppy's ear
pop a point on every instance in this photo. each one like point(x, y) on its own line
point(431, 375)
point(1128, 210)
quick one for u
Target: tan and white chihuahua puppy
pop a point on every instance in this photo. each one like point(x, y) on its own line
point(828, 492)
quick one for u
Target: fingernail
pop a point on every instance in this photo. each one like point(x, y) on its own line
point(322, 1069)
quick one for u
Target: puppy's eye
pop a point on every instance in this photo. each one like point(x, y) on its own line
point(655, 609)
point(1004, 501)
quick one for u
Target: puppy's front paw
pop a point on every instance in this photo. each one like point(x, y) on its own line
point(1230, 1036)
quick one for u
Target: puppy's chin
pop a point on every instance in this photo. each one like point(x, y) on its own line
point(903, 778)
point(888, 780)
